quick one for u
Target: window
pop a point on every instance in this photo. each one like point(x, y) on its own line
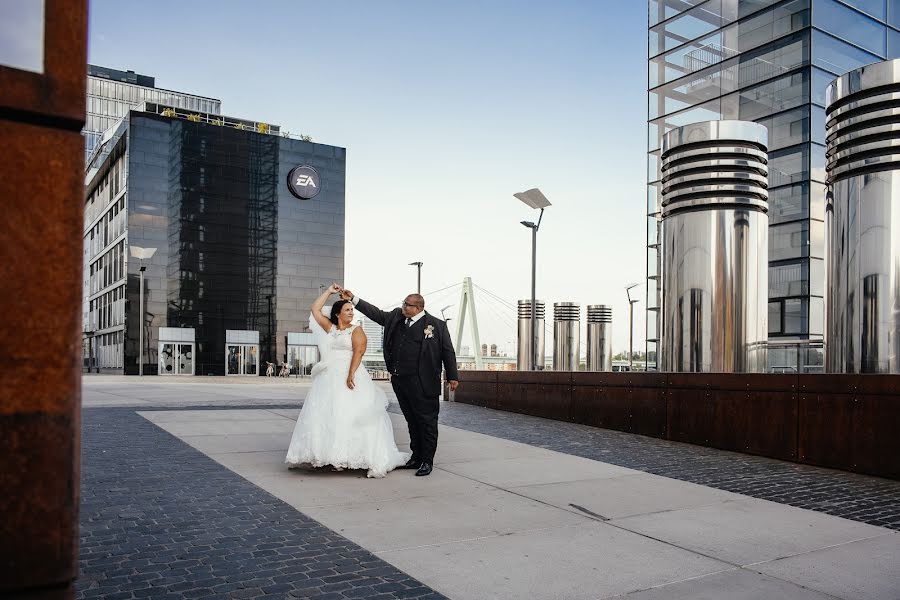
point(774, 317)
point(893, 43)
point(836, 56)
point(660, 10)
point(816, 277)
point(788, 128)
point(873, 7)
point(690, 25)
point(817, 162)
point(780, 91)
point(795, 317)
point(791, 279)
point(849, 25)
point(818, 124)
point(789, 203)
point(790, 240)
point(727, 43)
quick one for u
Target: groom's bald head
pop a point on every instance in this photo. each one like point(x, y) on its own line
point(413, 305)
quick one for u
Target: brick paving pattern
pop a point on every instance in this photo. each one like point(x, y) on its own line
point(160, 519)
point(858, 497)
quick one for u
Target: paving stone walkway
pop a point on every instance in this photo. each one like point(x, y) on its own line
point(161, 520)
point(871, 500)
point(171, 509)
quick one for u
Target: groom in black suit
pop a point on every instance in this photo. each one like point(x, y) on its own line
point(416, 345)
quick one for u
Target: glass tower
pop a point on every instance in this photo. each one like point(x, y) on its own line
point(238, 258)
point(769, 62)
point(110, 93)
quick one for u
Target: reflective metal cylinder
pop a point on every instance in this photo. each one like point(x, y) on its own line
point(862, 221)
point(524, 356)
point(714, 248)
point(599, 338)
point(566, 336)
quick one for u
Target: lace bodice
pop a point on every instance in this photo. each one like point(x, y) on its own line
point(341, 340)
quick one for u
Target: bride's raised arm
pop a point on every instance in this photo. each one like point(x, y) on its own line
point(316, 308)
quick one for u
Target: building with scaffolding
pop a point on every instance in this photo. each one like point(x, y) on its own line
point(239, 254)
point(766, 61)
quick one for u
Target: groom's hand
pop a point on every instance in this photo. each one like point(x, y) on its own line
point(346, 294)
point(453, 385)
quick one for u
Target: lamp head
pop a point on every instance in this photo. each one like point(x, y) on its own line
point(142, 253)
point(533, 198)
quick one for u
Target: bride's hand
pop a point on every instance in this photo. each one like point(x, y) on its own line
point(334, 289)
point(350, 383)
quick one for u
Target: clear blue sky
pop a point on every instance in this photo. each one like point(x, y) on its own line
point(446, 109)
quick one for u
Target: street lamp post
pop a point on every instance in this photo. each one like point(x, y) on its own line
point(271, 332)
point(140, 254)
point(534, 199)
point(418, 265)
point(631, 325)
point(443, 316)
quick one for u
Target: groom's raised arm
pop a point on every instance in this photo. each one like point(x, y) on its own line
point(371, 311)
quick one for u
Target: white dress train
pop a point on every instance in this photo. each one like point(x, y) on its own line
point(348, 429)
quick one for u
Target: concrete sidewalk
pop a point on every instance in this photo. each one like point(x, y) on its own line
point(502, 519)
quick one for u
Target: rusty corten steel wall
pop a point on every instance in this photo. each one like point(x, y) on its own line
point(845, 422)
point(42, 185)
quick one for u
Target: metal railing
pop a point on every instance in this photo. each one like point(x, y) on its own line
point(196, 117)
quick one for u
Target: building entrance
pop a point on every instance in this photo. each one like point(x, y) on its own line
point(242, 359)
point(176, 359)
point(301, 359)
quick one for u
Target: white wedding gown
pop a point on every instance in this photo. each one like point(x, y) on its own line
point(348, 429)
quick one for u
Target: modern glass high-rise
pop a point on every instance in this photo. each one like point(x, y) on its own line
point(238, 258)
point(769, 62)
point(110, 93)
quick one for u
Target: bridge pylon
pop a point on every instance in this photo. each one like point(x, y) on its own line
point(467, 303)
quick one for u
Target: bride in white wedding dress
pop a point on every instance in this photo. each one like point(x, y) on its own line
point(344, 421)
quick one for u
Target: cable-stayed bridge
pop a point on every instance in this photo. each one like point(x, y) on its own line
point(483, 324)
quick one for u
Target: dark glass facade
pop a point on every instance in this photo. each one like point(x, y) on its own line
point(234, 249)
point(765, 61)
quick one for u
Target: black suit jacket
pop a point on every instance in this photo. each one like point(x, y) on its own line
point(436, 350)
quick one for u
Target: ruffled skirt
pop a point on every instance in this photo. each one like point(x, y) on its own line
point(344, 428)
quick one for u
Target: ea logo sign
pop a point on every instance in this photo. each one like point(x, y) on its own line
point(303, 182)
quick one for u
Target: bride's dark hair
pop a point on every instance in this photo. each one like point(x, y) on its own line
point(336, 310)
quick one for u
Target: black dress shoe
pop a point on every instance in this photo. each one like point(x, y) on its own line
point(413, 463)
point(424, 470)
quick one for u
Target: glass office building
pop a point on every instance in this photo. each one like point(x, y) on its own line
point(238, 259)
point(111, 93)
point(768, 62)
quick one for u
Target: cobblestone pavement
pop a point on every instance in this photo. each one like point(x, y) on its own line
point(862, 498)
point(161, 520)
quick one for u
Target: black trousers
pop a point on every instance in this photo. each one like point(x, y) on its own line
point(421, 414)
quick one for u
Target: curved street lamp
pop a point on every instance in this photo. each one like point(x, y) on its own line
point(141, 254)
point(534, 199)
point(418, 264)
point(631, 323)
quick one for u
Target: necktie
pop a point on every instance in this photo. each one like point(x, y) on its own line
point(408, 321)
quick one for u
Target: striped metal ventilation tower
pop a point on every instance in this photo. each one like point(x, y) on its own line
point(862, 220)
point(599, 338)
point(566, 336)
point(714, 248)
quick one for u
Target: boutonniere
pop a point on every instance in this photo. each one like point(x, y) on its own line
point(429, 332)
